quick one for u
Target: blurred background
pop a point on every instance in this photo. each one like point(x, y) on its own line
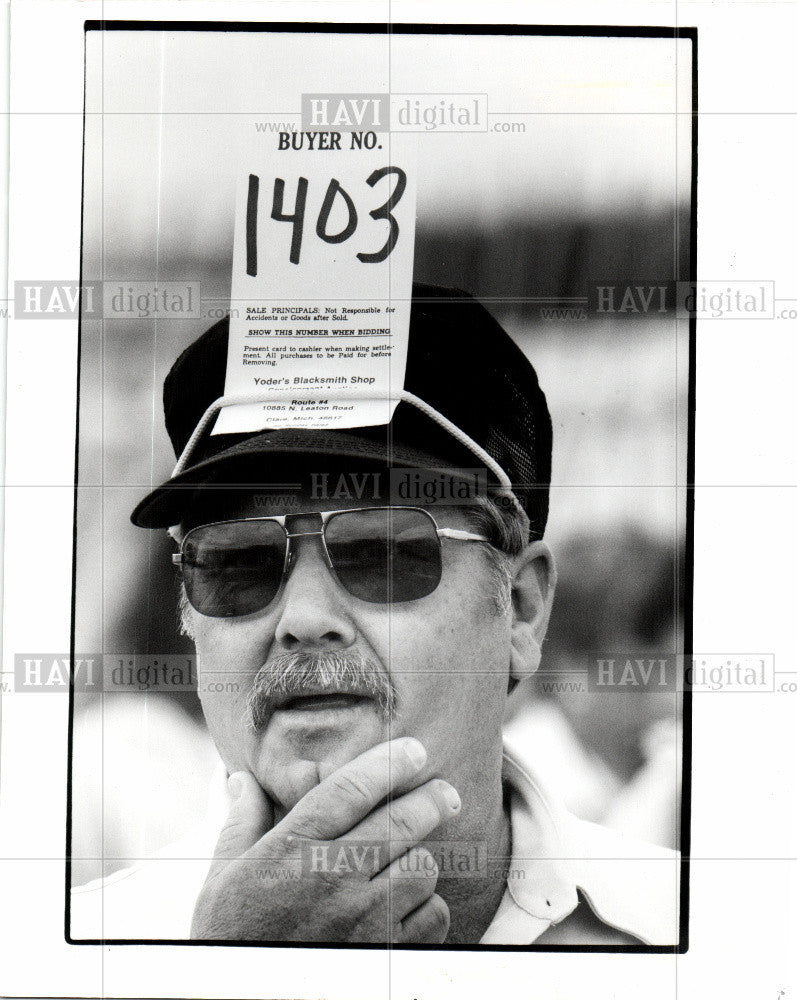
point(583, 175)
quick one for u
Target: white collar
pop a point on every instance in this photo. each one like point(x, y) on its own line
point(540, 888)
point(630, 885)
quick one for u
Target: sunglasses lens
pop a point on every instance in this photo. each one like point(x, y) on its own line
point(234, 568)
point(385, 556)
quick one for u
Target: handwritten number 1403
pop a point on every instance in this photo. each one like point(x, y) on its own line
point(334, 192)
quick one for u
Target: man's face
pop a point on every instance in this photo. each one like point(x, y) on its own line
point(446, 654)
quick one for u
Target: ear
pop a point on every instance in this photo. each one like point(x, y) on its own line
point(533, 586)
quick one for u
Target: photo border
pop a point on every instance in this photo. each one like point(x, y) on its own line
point(684, 588)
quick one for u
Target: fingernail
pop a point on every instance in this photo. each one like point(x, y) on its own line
point(451, 795)
point(235, 785)
point(416, 752)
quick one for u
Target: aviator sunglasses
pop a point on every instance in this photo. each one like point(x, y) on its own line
point(381, 555)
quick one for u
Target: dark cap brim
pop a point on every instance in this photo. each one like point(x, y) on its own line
point(168, 504)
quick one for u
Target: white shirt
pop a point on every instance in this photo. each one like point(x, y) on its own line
point(630, 885)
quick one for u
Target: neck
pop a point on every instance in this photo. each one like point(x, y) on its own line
point(474, 898)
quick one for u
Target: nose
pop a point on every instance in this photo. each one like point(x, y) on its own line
point(314, 612)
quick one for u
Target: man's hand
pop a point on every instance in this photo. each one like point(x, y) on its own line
point(262, 886)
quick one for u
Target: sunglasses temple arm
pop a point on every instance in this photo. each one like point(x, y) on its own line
point(461, 536)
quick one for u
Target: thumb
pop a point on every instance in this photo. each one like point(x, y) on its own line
point(251, 816)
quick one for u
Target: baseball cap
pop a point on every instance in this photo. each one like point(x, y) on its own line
point(468, 387)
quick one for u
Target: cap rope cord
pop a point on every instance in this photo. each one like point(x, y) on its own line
point(348, 393)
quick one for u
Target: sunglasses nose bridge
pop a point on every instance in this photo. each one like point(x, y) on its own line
point(291, 554)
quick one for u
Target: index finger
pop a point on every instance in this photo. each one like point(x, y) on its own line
point(352, 792)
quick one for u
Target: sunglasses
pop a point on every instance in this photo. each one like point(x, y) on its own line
point(382, 555)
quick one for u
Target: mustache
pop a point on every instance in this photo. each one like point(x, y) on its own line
point(291, 675)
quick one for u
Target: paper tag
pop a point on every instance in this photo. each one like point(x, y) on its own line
point(322, 280)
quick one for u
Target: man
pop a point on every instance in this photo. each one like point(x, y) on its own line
point(355, 660)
